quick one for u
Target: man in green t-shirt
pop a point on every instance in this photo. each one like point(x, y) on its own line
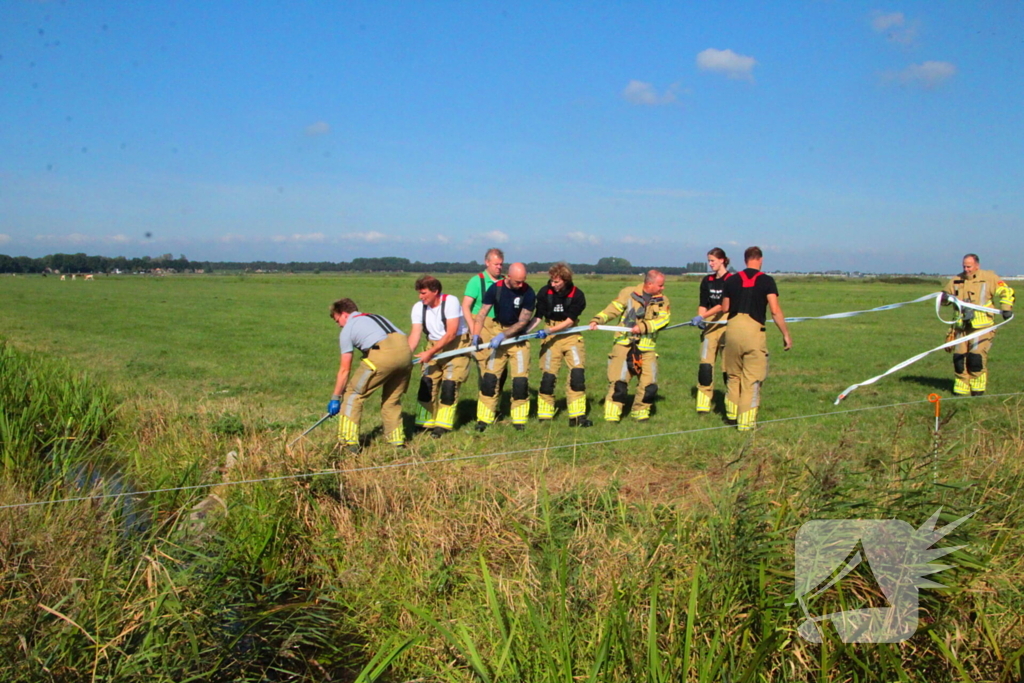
point(472, 300)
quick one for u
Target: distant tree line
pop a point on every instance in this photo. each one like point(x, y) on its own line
point(81, 263)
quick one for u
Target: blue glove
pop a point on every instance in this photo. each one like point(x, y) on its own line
point(496, 342)
point(967, 314)
point(944, 299)
point(334, 407)
point(1007, 314)
point(475, 340)
point(698, 321)
point(542, 333)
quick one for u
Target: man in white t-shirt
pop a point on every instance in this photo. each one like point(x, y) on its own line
point(440, 316)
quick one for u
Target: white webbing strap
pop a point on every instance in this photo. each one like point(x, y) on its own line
point(521, 338)
point(914, 359)
point(850, 314)
point(845, 314)
point(960, 306)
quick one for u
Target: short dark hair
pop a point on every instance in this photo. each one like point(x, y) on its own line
point(752, 253)
point(719, 254)
point(428, 282)
point(562, 271)
point(973, 256)
point(343, 306)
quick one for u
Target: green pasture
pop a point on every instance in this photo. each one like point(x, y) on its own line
point(266, 344)
point(656, 552)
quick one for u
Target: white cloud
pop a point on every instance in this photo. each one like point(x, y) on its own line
point(895, 27)
point(883, 22)
point(736, 66)
point(76, 239)
point(583, 238)
point(73, 239)
point(495, 237)
point(927, 75)
point(672, 193)
point(318, 128)
point(633, 239)
point(310, 237)
point(4, 239)
point(232, 238)
point(443, 239)
point(639, 92)
point(371, 237)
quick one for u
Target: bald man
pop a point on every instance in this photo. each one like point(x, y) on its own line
point(513, 302)
point(970, 358)
point(644, 309)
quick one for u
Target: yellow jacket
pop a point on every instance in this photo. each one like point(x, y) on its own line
point(980, 287)
point(629, 307)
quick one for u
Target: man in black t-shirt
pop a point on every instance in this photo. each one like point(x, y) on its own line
point(561, 304)
point(747, 297)
point(513, 302)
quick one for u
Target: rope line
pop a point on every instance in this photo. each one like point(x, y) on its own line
point(521, 338)
point(955, 342)
point(478, 456)
point(688, 323)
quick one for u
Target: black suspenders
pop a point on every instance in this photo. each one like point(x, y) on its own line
point(444, 318)
point(384, 324)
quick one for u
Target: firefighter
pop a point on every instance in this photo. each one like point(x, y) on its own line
point(513, 302)
point(748, 295)
point(981, 287)
point(708, 319)
point(386, 363)
point(440, 317)
point(560, 303)
point(645, 310)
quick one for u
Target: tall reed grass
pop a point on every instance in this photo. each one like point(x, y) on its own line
point(85, 597)
point(553, 568)
point(52, 417)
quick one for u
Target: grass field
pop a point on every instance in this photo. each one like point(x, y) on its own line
point(664, 557)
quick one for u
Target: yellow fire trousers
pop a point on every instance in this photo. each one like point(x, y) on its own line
point(388, 365)
point(970, 364)
point(517, 358)
point(618, 384)
point(746, 364)
point(567, 348)
point(439, 387)
point(712, 345)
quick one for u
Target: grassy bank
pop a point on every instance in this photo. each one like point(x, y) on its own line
point(662, 558)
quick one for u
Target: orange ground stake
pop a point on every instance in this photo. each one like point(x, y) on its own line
point(936, 399)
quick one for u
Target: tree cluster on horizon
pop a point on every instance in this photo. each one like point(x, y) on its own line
point(81, 263)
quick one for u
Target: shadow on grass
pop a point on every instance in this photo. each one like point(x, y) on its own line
point(940, 383)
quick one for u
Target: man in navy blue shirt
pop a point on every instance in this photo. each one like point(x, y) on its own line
point(513, 302)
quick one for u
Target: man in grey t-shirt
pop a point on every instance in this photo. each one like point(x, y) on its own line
point(386, 363)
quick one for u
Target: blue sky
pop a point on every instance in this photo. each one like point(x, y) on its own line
point(862, 136)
